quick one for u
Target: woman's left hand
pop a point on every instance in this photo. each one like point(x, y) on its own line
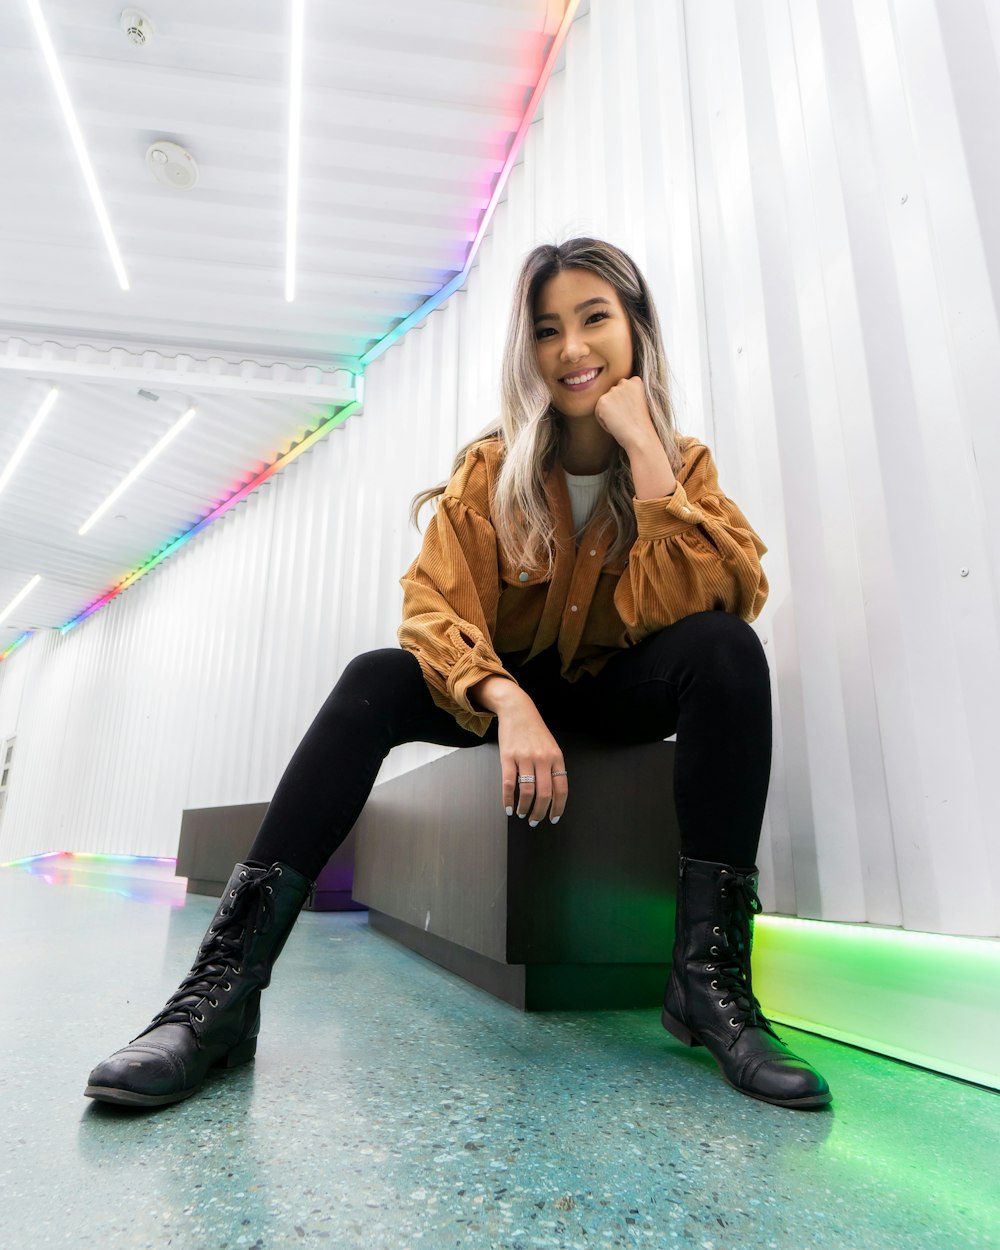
point(624, 413)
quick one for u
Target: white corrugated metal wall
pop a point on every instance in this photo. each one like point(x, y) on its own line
point(810, 188)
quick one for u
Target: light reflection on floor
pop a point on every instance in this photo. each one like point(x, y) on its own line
point(144, 880)
point(392, 1106)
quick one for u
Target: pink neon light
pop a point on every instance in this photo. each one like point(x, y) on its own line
point(454, 283)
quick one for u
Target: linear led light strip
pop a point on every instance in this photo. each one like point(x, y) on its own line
point(321, 431)
point(18, 599)
point(140, 468)
point(76, 135)
point(36, 424)
point(294, 147)
point(454, 283)
point(21, 595)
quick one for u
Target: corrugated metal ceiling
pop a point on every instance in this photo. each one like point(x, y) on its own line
point(408, 113)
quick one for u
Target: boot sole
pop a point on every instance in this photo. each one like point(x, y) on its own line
point(131, 1098)
point(684, 1034)
point(802, 1104)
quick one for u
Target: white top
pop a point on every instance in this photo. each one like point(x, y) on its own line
point(584, 491)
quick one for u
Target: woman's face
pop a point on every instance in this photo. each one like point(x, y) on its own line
point(583, 340)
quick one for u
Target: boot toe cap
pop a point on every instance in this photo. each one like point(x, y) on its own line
point(145, 1072)
point(785, 1080)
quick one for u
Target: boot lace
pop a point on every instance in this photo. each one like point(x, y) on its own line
point(248, 909)
point(739, 906)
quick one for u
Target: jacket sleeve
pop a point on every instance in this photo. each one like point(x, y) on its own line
point(450, 597)
point(695, 552)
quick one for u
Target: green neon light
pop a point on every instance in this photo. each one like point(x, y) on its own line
point(914, 996)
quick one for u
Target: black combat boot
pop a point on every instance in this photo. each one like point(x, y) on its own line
point(214, 1017)
point(709, 999)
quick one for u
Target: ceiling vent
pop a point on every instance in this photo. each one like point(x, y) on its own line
point(171, 164)
point(137, 27)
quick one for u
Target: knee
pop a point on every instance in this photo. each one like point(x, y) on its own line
point(724, 649)
point(372, 676)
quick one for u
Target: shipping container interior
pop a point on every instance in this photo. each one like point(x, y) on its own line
point(257, 271)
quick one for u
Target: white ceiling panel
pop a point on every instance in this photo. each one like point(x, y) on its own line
point(409, 110)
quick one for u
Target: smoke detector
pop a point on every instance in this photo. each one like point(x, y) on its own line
point(171, 164)
point(137, 27)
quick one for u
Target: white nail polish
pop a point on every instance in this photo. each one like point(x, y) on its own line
point(554, 820)
point(510, 811)
point(532, 824)
point(521, 815)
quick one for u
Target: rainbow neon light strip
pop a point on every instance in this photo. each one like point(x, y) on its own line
point(282, 462)
point(453, 284)
point(22, 638)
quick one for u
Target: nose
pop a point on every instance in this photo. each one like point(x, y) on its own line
point(574, 347)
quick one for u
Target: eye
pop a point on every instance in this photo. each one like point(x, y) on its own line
point(601, 316)
point(543, 332)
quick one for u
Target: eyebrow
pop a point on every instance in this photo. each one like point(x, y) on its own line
point(598, 299)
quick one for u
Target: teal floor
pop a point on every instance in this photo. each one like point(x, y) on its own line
point(393, 1105)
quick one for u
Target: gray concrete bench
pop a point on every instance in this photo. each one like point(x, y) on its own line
point(213, 839)
point(578, 915)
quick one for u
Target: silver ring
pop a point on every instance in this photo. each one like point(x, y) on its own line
point(561, 774)
point(526, 777)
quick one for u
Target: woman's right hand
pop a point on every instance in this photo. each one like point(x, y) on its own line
point(527, 748)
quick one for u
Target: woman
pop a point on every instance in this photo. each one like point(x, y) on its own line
point(582, 567)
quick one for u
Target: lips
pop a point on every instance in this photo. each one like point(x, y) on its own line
point(581, 380)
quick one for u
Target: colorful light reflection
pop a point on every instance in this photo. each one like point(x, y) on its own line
point(90, 855)
point(141, 878)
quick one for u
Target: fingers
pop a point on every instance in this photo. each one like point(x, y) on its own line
point(509, 771)
point(541, 789)
point(560, 792)
point(529, 756)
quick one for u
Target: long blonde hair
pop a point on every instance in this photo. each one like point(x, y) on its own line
point(530, 428)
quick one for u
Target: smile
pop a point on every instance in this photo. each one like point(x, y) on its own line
point(579, 381)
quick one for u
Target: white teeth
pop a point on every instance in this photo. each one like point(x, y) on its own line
point(582, 379)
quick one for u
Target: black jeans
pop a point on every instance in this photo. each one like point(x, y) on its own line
point(704, 678)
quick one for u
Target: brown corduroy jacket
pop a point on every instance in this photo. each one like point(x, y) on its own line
point(465, 601)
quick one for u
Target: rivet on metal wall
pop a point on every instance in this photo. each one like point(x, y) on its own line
point(904, 199)
point(963, 572)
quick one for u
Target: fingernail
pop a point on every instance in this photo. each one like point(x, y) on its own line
point(554, 820)
point(510, 811)
point(532, 824)
point(521, 815)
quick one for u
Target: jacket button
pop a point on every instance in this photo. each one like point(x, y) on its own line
point(593, 551)
point(522, 577)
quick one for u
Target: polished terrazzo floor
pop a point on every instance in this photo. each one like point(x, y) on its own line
point(392, 1105)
